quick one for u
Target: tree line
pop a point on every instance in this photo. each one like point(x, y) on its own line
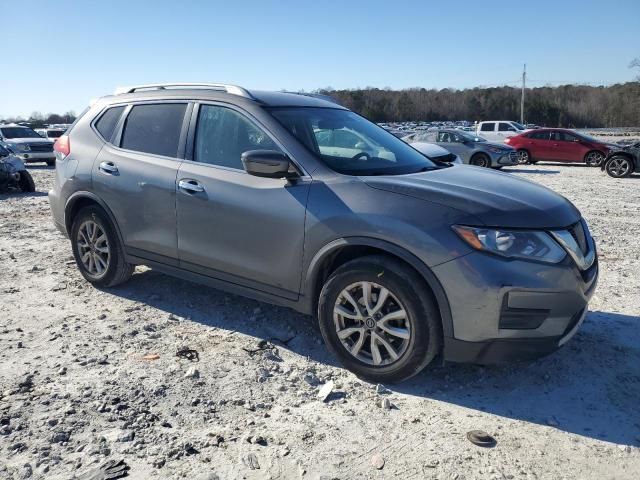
point(38, 120)
point(572, 106)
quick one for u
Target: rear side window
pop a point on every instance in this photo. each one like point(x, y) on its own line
point(539, 135)
point(487, 127)
point(108, 121)
point(223, 135)
point(154, 129)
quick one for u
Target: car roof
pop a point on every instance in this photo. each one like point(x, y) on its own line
point(264, 98)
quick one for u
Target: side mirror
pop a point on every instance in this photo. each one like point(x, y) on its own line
point(361, 145)
point(267, 164)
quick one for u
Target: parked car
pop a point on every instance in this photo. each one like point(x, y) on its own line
point(499, 130)
point(622, 161)
point(50, 133)
point(470, 148)
point(13, 174)
point(559, 145)
point(27, 144)
point(435, 152)
point(401, 258)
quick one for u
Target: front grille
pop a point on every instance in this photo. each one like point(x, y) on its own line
point(578, 234)
point(449, 157)
point(41, 147)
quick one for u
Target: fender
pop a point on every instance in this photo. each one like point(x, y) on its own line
point(71, 201)
point(313, 271)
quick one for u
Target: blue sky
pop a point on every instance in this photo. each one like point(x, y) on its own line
point(66, 52)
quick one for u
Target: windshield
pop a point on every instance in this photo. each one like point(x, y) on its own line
point(470, 138)
point(518, 126)
point(350, 144)
point(54, 133)
point(19, 132)
point(582, 136)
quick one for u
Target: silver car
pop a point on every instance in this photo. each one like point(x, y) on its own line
point(27, 144)
point(401, 258)
point(473, 150)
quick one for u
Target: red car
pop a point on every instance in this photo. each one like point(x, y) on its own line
point(558, 145)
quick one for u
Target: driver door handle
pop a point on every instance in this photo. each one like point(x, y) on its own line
point(108, 167)
point(190, 186)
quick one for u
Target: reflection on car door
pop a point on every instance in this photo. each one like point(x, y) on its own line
point(136, 177)
point(231, 225)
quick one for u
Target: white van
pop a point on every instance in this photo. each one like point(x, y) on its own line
point(498, 130)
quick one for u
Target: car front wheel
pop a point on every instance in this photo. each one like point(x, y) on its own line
point(523, 157)
point(377, 317)
point(481, 160)
point(619, 167)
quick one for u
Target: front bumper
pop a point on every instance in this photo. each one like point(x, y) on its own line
point(504, 310)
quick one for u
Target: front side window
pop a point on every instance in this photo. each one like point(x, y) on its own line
point(19, 132)
point(487, 127)
point(108, 121)
point(562, 137)
point(362, 147)
point(506, 127)
point(223, 135)
point(154, 128)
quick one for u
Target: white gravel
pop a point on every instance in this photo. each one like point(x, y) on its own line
point(76, 390)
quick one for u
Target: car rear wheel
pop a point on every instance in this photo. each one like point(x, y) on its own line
point(377, 317)
point(97, 249)
point(523, 157)
point(594, 159)
point(481, 160)
point(619, 167)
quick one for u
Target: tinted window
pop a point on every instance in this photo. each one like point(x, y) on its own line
point(223, 135)
point(108, 121)
point(154, 128)
point(505, 127)
point(562, 137)
point(539, 135)
point(19, 132)
point(487, 127)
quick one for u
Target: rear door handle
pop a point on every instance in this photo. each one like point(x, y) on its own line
point(108, 167)
point(190, 186)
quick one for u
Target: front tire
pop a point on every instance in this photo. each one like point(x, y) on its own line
point(481, 160)
point(379, 319)
point(619, 167)
point(27, 185)
point(594, 159)
point(97, 249)
point(523, 157)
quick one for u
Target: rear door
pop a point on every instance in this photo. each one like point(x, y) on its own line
point(135, 174)
point(231, 225)
point(488, 131)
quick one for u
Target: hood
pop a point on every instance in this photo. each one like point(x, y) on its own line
point(429, 149)
point(496, 199)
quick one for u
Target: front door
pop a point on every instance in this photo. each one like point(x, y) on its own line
point(231, 225)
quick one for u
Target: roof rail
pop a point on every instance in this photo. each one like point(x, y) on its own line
point(232, 89)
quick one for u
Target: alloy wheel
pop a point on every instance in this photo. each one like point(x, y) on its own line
point(523, 157)
point(93, 248)
point(618, 167)
point(371, 323)
point(594, 159)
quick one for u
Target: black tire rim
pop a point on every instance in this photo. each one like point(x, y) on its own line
point(481, 161)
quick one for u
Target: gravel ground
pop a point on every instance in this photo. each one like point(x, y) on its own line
point(88, 376)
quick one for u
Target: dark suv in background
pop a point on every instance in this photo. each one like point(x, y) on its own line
point(399, 256)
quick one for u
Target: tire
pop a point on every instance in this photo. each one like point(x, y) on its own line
point(407, 291)
point(619, 167)
point(594, 158)
point(112, 269)
point(51, 163)
point(481, 160)
point(523, 157)
point(26, 182)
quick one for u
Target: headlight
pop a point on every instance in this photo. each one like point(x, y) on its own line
point(495, 150)
point(530, 245)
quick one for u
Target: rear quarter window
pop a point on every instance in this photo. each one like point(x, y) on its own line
point(107, 122)
point(154, 129)
point(487, 127)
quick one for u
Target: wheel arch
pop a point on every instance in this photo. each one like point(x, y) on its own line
point(79, 200)
point(604, 155)
point(342, 250)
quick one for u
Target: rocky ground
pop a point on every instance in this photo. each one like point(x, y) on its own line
point(88, 376)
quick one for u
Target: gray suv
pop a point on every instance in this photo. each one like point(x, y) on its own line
point(400, 257)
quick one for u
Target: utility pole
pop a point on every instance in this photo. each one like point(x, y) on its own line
point(524, 79)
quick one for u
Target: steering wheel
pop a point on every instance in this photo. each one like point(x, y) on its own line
point(361, 154)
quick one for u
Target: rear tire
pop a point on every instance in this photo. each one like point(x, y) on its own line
point(619, 167)
point(594, 158)
point(27, 184)
point(412, 330)
point(481, 160)
point(97, 249)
